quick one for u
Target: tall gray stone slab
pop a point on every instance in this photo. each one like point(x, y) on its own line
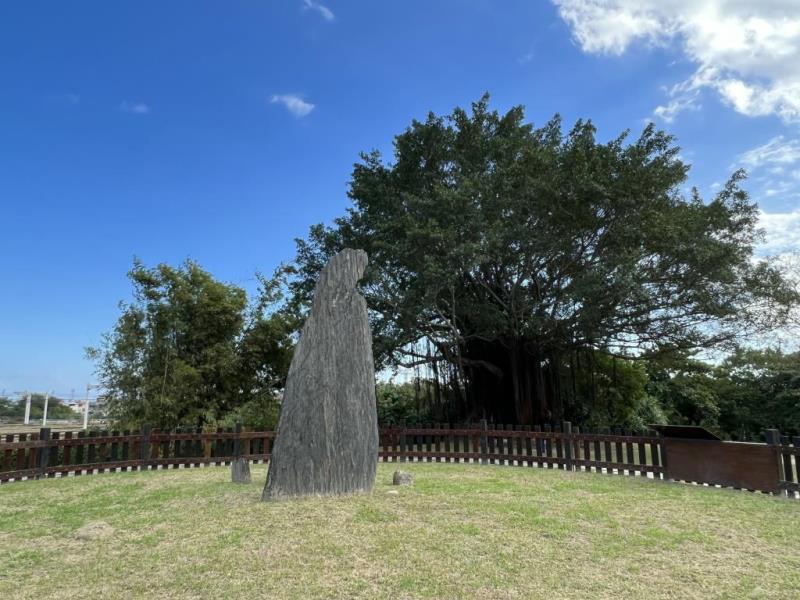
point(240, 470)
point(327, 438)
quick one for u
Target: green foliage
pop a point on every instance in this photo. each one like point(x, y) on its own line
point(532, 274)
point(759, 389)
point(260, 413)
point(8, 408)
point(750, 391)
point(189, 349)
point(400, 403)
point(688, 394)
point(56, 408)
point(613, 392)
point(512, 249)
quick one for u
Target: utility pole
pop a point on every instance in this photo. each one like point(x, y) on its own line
point(44, 414)
point(27, 408)
point(89, 387)
point(86, 408)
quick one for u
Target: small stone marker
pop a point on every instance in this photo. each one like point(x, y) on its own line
point(327, 438)
point(240, 470)
point(401, 478)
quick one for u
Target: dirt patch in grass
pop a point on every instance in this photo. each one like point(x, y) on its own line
point(94, 531)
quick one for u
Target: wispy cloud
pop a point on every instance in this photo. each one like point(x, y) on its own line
point(323, 10)
point(747, 52)
point(293, 103)
point(681, 100)
point(135, 108)
point(776, 154)
point(776, 166)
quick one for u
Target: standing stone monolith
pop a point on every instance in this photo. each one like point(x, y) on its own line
point(240, 470)
point(327, 439)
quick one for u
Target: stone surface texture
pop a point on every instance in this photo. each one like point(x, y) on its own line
point(240, 470)
point(401, 478)
point(327, 438)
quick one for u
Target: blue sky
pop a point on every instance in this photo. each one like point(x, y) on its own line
point(221, 131)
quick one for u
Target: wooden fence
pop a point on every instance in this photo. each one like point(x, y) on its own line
point(48, 454)
point(771, 467)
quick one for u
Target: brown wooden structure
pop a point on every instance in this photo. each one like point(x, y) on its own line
point(694, 454)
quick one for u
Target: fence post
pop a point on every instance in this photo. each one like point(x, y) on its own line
point(44, 455)
point(662, 451)
point(237, 442)
point(144, 447)
point(403, 446)
point(567, 429)
point(773, 438)
point(484, 442)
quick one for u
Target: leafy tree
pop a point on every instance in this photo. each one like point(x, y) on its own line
point(401, 402)
point(687, 393)
point(758, 390)
point(612, 391)
point(502, 256)
point(6, 407)
point(259, 413)
point(189, 349)
point(56, 408)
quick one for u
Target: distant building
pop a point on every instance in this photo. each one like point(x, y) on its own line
point(100, 407)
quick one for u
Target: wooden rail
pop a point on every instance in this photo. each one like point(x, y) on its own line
point(624, 453)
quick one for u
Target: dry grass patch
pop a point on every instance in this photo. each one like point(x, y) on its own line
point(459, 532)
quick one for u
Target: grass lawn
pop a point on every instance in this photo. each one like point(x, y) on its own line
point(461, 531)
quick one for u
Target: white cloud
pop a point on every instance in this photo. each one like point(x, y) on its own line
point(323, 10)
point(782, 232)
point(135, 108)
point(293, 103)
point(681, 100)
point(748, 51)
point(775, 165)
point(776, 153)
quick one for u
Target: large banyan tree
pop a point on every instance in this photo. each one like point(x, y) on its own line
point(506, 259)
